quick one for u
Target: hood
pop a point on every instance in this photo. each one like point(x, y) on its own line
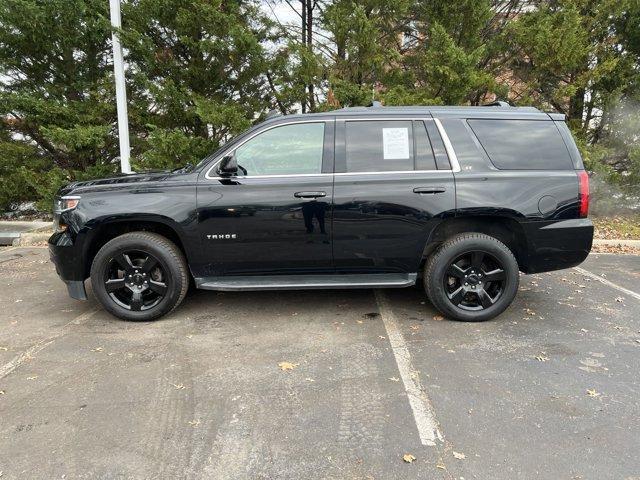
point(122, 180)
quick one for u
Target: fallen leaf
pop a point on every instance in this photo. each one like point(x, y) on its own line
point(619, 299)
point(592, 392)
point(459, 456)
point(414, 327)
point(309, 379)
point(441, 466)
point(287, 365)
point(359, 321)
point(407, 457)
point(381, 337)
point(32, 378)
point(194, 423)
point(438, 318)
point(394, 379)
point(179, 386)
point(1, 392)
point(4, 349)
point(542, 358)
point(97, 349)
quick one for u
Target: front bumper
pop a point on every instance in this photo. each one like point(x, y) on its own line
point(557, 245)
point(69, 264)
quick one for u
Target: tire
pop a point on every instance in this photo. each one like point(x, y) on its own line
point(140, 276)
point(471, 277)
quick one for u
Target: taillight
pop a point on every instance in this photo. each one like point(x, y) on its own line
point(583, 178)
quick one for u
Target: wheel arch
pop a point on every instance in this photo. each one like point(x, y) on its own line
point(105, 231)
point(505, 229)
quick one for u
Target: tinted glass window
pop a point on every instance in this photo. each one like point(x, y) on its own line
point(442, 159)
point(285, 150)
point(424, 153)
point(379, 146)
point(522, 144)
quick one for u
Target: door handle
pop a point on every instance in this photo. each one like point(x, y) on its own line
point(309, 194)
point(429, 190)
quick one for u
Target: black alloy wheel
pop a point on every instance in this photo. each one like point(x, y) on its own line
point(140, 276)
point(471, 277)
point(136, 280)
point(475, 281)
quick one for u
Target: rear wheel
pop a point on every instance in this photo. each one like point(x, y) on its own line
point(471, 277)
point(139, 276)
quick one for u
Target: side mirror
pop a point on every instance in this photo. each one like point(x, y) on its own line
point(228, 166)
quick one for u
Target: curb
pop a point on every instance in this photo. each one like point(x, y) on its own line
point(617, 242)
point(12, 231)
point(32, 238)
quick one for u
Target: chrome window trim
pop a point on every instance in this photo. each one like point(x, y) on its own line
point(392, 171)
point(455, 165)
point(292, 122)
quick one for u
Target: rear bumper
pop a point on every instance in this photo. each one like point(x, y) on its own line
point(557, 245)
point(69, 264)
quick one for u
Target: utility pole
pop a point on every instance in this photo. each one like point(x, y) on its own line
point(121, 91)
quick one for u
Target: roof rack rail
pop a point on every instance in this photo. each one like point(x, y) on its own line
point(497, 103)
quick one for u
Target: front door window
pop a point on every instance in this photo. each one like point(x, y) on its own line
point(286, 150)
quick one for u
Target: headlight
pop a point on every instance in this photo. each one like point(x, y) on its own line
point(63, 204)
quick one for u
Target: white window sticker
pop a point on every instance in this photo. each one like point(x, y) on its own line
point(395, 143)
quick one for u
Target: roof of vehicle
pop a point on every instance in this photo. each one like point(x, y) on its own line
point(494, 110)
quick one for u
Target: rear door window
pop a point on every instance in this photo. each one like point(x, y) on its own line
point(379, 146)
point(425, 159)
point(442, 160)
point(522, 144)
point(393, 145)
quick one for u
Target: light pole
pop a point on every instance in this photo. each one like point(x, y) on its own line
point(121, 91)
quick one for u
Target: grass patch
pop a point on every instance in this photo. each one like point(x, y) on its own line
point(627, 227)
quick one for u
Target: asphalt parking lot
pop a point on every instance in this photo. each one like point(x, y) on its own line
point(548, 390)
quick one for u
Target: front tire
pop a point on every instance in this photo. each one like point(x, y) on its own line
point(471, 277)
point(139, 276)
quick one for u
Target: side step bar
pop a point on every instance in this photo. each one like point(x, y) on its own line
point(304, 282)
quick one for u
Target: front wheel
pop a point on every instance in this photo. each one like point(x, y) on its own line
point(139, 276)
point(471, 277)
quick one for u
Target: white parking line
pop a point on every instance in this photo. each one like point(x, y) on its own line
point(19, 359)
point(423, 413)
point(607, 282)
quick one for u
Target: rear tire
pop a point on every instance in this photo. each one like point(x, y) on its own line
point(471, 277)
point(139, 276)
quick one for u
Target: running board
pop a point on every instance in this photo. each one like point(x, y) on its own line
point(304, 282)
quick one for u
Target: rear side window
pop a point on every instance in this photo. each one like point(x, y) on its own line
point(522, 144)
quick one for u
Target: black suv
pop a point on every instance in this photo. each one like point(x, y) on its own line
point(462, 198)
